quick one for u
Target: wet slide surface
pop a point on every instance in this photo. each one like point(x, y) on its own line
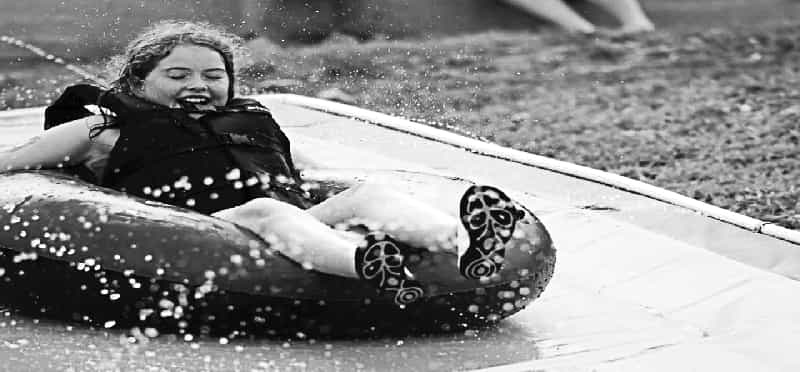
point(639, 285)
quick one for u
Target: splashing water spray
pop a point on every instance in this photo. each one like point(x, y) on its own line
point(103, 83)
point(52, 58)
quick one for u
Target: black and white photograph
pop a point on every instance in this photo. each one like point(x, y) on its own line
point(399, 185)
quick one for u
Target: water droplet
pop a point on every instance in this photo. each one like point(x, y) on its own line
point(25, 257)
point(183, 183)
point(151, 332)
point(234, 174)
point(166, 304)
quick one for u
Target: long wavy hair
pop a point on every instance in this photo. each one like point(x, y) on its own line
point(157, 41)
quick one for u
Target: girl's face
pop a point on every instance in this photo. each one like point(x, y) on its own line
point(190, 76)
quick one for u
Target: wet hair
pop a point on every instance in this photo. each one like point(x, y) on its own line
point(156, 42)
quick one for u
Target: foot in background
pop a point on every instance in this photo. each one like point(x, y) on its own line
point(629, 13)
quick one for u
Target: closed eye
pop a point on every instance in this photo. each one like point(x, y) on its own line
point(215, 74)
point(177, 76)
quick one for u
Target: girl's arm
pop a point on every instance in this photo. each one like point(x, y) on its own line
point(65, 145)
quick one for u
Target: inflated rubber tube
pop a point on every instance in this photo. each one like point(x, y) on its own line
point(74, 251)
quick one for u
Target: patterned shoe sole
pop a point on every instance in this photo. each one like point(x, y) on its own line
point(382, 261)
point(490, 217)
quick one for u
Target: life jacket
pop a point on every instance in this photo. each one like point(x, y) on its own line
point(222, 159)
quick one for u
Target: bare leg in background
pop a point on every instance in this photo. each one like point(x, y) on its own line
point(628, 12)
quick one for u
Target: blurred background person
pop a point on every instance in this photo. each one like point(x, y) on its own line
point(287, 21)
point(628, 13)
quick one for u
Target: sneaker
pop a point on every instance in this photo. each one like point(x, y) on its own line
point(382, 261)
point(490, 217)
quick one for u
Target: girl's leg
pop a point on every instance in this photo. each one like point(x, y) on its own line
point(297, 234)
point(487, 219)
point(396, 213)
point(375, 257)
point(629, 13)
point(555, 11)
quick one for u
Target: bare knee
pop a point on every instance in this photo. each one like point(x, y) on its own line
point(363, 201)
point(258, 208)
point(371, 191)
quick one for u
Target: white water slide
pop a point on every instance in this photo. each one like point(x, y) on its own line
point(646, 280)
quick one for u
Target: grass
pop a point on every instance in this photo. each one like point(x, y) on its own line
point(711, 114)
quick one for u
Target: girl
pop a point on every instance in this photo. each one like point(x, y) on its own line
point(171, 130)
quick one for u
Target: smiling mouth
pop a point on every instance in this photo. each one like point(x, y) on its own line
point(194, 100)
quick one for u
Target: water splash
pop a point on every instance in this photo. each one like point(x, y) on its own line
point(52, 58)
point(450, 127)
